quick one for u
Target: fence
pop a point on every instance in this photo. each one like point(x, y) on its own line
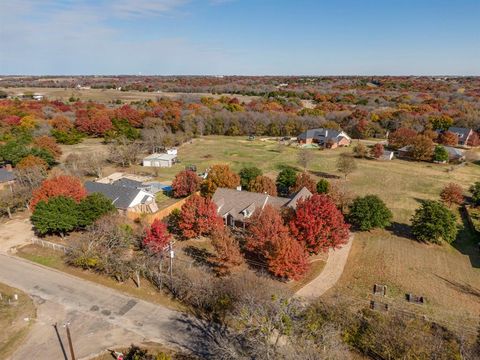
point(50, 245)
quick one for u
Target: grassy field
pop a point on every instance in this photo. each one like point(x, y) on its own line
point(15, 319)
point(106, 95)
point(448, 276)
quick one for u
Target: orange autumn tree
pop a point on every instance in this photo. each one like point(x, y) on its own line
point(219, 176)
point(62, 185)
point(48, 143)
point(305, 180)
point(270, 238)
point(32, 161)
point(263, 184)
point(227, 249)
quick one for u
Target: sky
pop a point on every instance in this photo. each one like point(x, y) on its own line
point(240, 37)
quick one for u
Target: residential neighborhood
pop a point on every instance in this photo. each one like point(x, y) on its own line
point(239, 180)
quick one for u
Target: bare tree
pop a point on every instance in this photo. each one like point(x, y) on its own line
point(124, 152)
point(346, 164)
point(304, 158)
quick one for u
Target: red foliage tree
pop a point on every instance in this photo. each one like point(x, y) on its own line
point(377, 150)
point(48, 143)
point(133, 116)
point(63, 185)
point(448, 138)
point(401, 137)
point(288, 259)
point(93, 121)
point(157, 237)
point(305, 180)
point(227, 249)
point(185, 183)
point(452, 194)
point(12, 120)
point(265, 227)
point(318, 224)
point(263, 184)
point(198, 216)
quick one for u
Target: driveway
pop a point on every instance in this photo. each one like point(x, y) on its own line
point(15, 232)
point(100, 317)
point(330, 274)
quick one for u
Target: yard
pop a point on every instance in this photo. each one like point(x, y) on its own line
point(15, 319)
point(446, 275)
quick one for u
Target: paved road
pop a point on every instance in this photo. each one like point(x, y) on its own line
point(101, 315)
point(330, 274)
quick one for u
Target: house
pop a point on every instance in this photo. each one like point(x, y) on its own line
point(387, 155)
point(454, 154)
point(7, 178)
point(236, 206)
point(463, 134)
point(325, 137)
point(125, 198)
point(172, 151)
point(160, 160)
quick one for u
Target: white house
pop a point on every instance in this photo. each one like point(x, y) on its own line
point(172, 151)
point(160, 160)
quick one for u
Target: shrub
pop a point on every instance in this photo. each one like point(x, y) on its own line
point(369, 212)
point(475, 190)
point(93, 207)
point(440, 154)
point(323, 186)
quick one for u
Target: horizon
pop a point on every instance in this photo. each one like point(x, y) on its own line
point(239, 38)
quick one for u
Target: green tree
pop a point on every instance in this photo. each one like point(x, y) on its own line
point(475, 190)
point(433, 222)
point(323, 186)
point(285, 180)
point(247, 174)
point(92, 207)
point(369, 212)
point(440, 154)
point(58, 215)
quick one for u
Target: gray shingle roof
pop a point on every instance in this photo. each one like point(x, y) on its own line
point(235, 202)
point(321, 134)
point(6, 176)
point(462, 133)
point(121, 196)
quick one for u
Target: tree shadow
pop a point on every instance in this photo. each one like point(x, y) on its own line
point(200, 256)
point(325, 175)
point(401, 230)
point(468, 241)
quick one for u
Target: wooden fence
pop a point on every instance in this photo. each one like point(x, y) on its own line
point(50, 245)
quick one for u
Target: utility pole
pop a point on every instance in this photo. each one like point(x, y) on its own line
point(172, 254)
point(70, 345)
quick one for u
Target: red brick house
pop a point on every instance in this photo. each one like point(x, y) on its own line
point(328, 138)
